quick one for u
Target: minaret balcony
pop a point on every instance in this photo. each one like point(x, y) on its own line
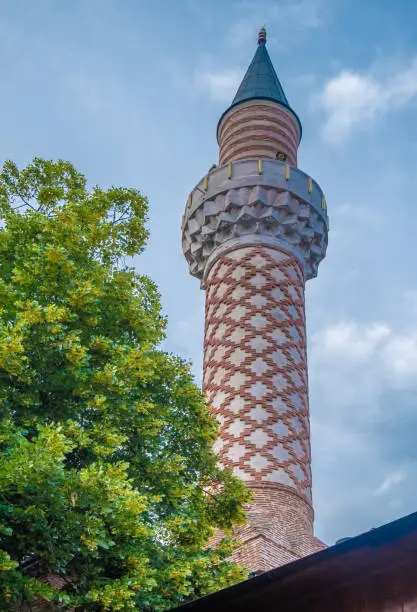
point(255, 201)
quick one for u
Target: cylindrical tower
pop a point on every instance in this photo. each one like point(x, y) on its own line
point(255, 229)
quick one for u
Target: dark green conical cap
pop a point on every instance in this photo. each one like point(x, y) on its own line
point(261, 81)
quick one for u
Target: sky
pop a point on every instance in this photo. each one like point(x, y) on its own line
point(131, 91)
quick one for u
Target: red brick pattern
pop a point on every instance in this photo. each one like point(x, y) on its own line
point(258, 129)
point(279, 529)
point(255, 366)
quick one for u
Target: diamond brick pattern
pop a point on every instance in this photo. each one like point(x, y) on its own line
point(255, 366)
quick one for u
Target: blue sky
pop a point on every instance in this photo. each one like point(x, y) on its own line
point(130, 91)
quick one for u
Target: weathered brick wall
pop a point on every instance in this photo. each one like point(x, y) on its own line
point(279, 529)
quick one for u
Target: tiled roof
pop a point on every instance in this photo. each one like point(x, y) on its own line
point(260, 80)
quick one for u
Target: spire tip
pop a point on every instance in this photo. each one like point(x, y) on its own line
point(262, 36)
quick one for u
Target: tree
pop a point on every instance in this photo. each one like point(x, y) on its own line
point(109, 489)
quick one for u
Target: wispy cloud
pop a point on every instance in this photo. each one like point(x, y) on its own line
point(381, 356)
point(221, 86)
point(283, 19)
point(354, 100)
point(353, 342)
point(390, 481)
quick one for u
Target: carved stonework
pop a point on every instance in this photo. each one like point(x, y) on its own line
point(255, 202)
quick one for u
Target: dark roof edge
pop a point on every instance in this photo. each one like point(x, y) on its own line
point(287, 106)
point(377, 537)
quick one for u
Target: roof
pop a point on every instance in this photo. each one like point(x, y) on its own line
point(375, 552)
point(261, 81)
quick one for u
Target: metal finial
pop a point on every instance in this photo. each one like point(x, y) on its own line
point(262, 36)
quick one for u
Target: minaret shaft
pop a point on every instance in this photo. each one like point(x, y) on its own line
point(255, 366)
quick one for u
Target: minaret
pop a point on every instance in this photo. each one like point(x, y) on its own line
point(254, 231)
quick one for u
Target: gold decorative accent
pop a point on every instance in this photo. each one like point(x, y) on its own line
point(229, 170)
point(327, 223)
point(259, 166)
point(205, 183)
point(189, 201)
point(287, 172)
point(310, 185)
point(323, 202)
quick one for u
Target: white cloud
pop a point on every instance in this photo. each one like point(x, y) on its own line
point(390, 481)
point(400, 357)
point(221, 86)
point(351, 99)
point(391, 355)
point(352, 341)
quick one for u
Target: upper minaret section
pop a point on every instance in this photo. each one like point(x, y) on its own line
point(260, 122)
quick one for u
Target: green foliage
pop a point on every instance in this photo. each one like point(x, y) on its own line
point(107, 478)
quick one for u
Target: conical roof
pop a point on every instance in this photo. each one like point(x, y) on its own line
point(261, 81)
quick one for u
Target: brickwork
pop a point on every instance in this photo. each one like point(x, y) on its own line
point(279, 529)
point(258, 130)
point(255, 366)
point(255, 380)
